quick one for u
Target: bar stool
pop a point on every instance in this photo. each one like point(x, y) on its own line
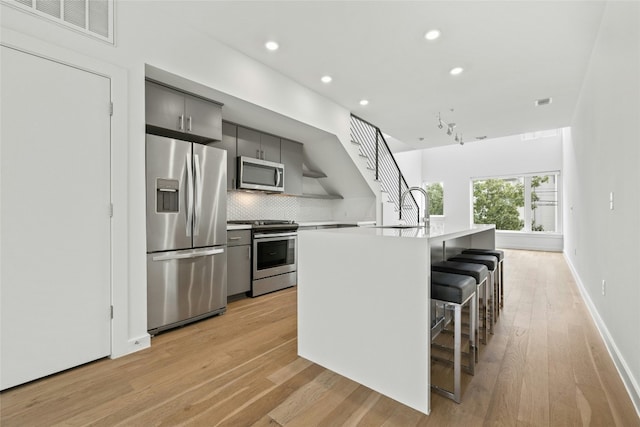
point(500, 255)
point(455, 291)
point(491, 262)
point(479, 273)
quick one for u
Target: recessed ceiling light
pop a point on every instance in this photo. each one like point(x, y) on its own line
point(455, 71)
point(364, 102)
point(271, 45)
point(326, 79)
point(432, 34)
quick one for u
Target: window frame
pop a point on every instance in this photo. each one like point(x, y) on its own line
point(527, 212)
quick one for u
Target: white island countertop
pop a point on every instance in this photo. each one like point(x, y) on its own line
point(364, 302)
point(436, 232)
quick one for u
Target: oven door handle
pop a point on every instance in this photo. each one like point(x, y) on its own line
point(265, 235)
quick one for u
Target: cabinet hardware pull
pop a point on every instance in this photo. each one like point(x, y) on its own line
point(181, 122)
point(189, 124)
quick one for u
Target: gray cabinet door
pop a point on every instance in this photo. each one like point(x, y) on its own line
point(291, 156)
point(164, 107)
point(248, 143)
point(270, 146)
point(203, 118)
point(238, 269)
point(228, 143)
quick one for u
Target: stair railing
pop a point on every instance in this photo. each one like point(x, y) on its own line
point(374, 148)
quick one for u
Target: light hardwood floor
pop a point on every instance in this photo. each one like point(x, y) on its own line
point(546, 365)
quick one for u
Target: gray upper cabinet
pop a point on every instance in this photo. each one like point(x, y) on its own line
point(203, 118)
point(270, 148)
point(253, 143)
point(249, 143)
point(291, 156)
point(164, 106)
point(229, 141)
point(176, 114)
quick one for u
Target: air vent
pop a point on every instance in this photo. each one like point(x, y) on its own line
point(90, 17)
point(543, 101)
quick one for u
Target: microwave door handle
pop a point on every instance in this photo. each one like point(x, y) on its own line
point(189, 195)
point(278, 177)
point(198, 195)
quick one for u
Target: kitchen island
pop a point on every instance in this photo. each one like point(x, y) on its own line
point(364, 302)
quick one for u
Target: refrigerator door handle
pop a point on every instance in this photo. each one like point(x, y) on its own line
point(198, 195)
point(189, 195)
point(187, 255)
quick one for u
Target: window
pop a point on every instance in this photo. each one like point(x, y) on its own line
point(544, 202)
point(520, 203)
point(436, 194)
point(90, 17)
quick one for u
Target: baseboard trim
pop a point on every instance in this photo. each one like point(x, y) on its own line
point(621, 365)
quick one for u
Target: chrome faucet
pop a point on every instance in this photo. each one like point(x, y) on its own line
point(426, 219)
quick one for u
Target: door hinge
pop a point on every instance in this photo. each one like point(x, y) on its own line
point(110, 210)
point(112, 312)
point(111, 108)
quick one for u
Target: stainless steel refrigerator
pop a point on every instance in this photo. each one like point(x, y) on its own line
point(186, 232)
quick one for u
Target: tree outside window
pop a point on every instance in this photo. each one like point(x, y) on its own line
point(499, 202)
point(436, 194)
point(524, 203)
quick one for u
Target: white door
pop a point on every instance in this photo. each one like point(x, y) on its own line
point(55, 242)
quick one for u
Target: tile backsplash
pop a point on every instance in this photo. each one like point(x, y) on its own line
point(244, 205)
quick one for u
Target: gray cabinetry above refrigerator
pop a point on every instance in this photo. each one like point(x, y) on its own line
point(176, 114)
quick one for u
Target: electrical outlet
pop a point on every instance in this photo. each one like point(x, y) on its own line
point(604, 287)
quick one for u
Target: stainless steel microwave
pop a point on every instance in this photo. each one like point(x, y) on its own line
point(256, 174)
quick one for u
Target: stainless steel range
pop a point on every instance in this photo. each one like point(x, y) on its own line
point(275, 255)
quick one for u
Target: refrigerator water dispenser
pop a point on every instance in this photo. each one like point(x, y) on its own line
point(167, 195)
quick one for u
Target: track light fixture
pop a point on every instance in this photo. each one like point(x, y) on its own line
point(450, 128)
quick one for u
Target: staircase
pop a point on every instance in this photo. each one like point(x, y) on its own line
point(380, 161)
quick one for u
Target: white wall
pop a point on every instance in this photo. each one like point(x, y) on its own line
point(410, 163)
point(457, 165)
point(146, 34)
point(602, 155)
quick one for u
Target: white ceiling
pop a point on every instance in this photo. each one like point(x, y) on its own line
point(513, 53)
